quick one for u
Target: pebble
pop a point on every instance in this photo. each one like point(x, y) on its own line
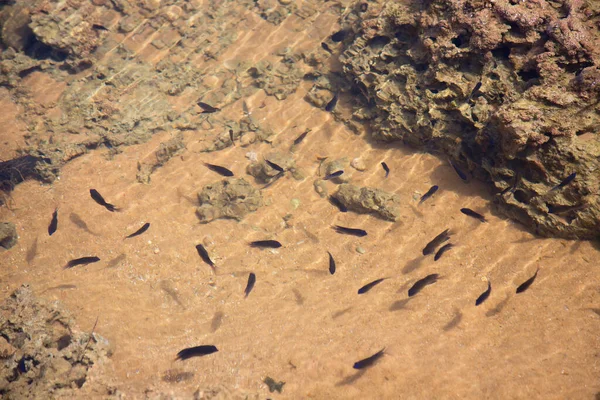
point(360, 250)
point(285, 2)
point(358, 164)
point(295, 203)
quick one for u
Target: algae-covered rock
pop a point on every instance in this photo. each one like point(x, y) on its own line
point(507, 90)
point(229, 198)
point(8, 235)
point(369, 200)
point(264, 173)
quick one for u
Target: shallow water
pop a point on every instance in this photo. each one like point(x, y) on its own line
point(300, 324)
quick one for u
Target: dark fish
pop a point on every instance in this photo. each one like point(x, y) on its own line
point(364, 7)
point(197, 351)
point(350, 231)
point(331, 264)
point(475, 90)
point(333, 175)
point(339, 35)
point(462, 175)
point(82, 261)
point(100, 200)
point(338, 204)
point(300, 138)
point(386, 169)
point(54, 223)
point(326, 47)
point(204, 255)
point(525, 285)
point(565, 182)
point(332, 103)
point(483, 297)
point(250, 285)
point(442, 250)
point(370, 286)
point(231, 137)
point(367, 362)
point(274, 166)
point(420, 284)
point(271, 244)
point(139, 231)
point(99, 27)
point(206, 108)
point(429, 193)
point(439, 239)
point(471, 213)
point(275, 179)
point(218, 169)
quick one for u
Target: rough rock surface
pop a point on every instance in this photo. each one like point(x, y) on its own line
point(508, 90)
point(42, 355)
point(8, 235)
point(229, 198)
point(369, 200)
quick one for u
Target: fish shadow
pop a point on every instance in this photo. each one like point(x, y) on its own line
point(453, 323)
point(496, 310)
point(412, 265)
point(399, 305)
point(349, 380)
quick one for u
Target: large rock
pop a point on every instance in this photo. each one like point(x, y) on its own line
point(510, 92)
point(8, 235)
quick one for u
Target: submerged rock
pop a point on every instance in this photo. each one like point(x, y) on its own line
point(229, 198)
point(507, 90)
point(8, 235)
point(368, 200)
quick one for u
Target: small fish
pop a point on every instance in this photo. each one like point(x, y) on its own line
point(271, 244)
point(565, 182)
point(332, 103)
point(421, 283)
point(339, 35)
point(218, 169)
point(300, 138)
point(139, 231)
point(474, 91)
point(369, 361)
point(99, 27)
point(483, 297)
point(245, 109)
point(231, 137)
point(100, 200)
point(331, 264)
point(386, 169)
point(333, 175)
point(82, 261)
point(350, 231)
point(326, 47)
point(250, 285)
point(429, 193)
point(461, 174)
point(370, 286)
point(197, 351)
point(334, 201)
point(274, 166)
point(442, 250)
point(471, 213)
point(525, 285)
point(439, 239)
point(206, 108)
point(204, 255)
point(513, 187)
point(54, 223)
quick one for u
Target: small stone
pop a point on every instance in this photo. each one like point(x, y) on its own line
point(358, 164)
point(156, 250)
point(285, 2)
point(295, 203)
point(360, 250)
point(8, 235)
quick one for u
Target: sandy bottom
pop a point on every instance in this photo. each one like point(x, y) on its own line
point(300, 324)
